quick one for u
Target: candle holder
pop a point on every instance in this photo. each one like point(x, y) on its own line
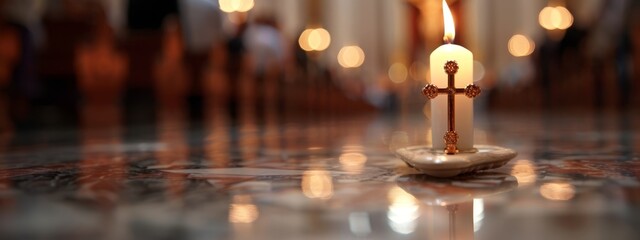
point(451, 161)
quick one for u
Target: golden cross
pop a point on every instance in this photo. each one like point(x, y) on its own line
point(432, 91)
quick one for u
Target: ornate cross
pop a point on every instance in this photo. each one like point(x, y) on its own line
point(432, 91)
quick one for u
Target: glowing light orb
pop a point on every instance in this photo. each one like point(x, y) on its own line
point(520, 45)
point(351, 57)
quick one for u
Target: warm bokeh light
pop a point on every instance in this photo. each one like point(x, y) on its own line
point(316, 39)
point(230, 6)
point(403, 211)
point(449, 26)
point(317, 184)
point(566, 19)
point(521, 46)
point(242, 210)
point(319, 39)
point(351, 57)
point(398, 72)
point(524, 172)
point(352, 162)
point(557, 191)
point(552, 18)
point(303, 40)
point(545, 17)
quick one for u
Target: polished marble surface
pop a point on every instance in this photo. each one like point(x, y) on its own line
point(577, 176)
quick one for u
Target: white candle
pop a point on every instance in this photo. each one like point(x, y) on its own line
point(464, 77)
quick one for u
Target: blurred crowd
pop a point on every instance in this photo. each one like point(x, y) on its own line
point(61, 57)
point(590, 65)
point(146, 58)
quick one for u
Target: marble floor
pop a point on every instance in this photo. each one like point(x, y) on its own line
point(576, 176)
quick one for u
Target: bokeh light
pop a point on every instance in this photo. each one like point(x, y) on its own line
point(242, 210)
point(317, 184)
point(557, 191)
point(566, 19)
point(352, 161)
point(314, 39)
point(520, 45)
point(398, 72)
point(403, 211)
point(524, 172)
point(552, 18)
point(351, 56)
point(230, 6)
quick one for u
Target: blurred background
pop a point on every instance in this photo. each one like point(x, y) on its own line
point(64, 62)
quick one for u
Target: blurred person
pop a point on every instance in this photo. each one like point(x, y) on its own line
point(216, 84)
point(634, 38)
point(201, 23)
point(170, 73)
point(9, 52)
point(27, 13)
point(266, 44)
point(240, 71)
point(171, 89)
point(101, 68)
point(216, 91)
point(66, 25)
point(603, 42)
point(17, 80)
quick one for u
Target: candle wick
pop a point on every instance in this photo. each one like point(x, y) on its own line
point(447, 39)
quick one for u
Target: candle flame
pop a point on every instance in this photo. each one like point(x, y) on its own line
point(449, 27)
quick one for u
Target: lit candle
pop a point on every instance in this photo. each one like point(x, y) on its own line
point(464, 77)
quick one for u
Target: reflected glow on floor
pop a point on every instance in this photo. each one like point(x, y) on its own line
point(359, 223)
point(403, 211)
point(317, 184)
point(557, 191)
point(352, 160)
point(242, 210)
point(524, 172)
point(478, 213)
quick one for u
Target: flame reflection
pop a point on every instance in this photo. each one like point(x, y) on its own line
point(353, 161)
point(478, 213)
point(242, 210)
point(403, 211)
point(557, 191)
point(317, 184)
point(524, 172)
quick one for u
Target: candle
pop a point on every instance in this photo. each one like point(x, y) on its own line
point(464, 77)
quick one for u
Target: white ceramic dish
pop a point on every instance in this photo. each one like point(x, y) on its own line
point(437, 164)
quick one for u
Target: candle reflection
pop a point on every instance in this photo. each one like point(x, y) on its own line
point(317, 184)
point(352, 159)
point(217, 140)
point(403, 211)
point(172, 125)
point(242, 210)
point(478, 213)
point(101, 172)
point(557, 191)
point(523, 171)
